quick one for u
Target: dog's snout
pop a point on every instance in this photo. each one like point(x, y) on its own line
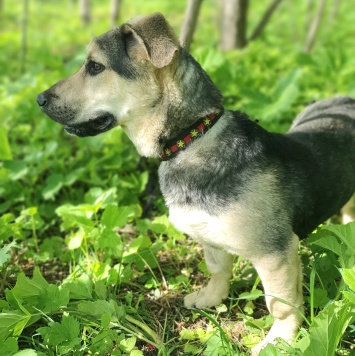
point(42, 99)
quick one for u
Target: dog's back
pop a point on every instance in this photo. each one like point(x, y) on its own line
point(327, 129)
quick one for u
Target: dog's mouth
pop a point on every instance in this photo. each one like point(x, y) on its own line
point(93, 127)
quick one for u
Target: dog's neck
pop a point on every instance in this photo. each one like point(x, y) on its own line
point(188, 96)
point(179, 95)
point(190, 134)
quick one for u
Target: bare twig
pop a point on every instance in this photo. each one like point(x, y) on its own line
point(315, 27)
point(189, 24)
point(264, 20)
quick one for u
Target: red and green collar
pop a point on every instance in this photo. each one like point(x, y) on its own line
point(189, 135)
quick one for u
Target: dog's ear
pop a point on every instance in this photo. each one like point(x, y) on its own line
point(151, 38)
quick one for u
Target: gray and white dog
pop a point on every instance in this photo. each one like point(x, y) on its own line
point(228, 183)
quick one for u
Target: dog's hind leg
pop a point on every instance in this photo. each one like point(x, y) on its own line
point(348, 211)
point(281, 275)
point(220, 264)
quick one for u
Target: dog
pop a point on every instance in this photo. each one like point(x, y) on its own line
point(228, 183)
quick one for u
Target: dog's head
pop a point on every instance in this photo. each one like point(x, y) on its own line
point(118, 81)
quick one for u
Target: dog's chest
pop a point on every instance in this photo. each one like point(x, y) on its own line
point(227, 231)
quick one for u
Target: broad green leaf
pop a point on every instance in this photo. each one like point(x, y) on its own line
point(128, 344)
point(30, 219)
point(10, 228)
point(114, 216)
point(26, 287)
point(73, 176)
point(139, 251)
point(3, 304)
point(100, 198)
point(53, 299)
point(12, 322)
point(346, 234)
point(111, 243)
point(26, 352)
point(330, 243)
point(4, 252)
point(328, 327)
point(136, 353)
point(143, 181)
point(76, 215)
point(139, 243)
point(105, 198)
point(53, 184)
point(5, 150)
point(349, 277)
point(255, 96)
point(270, 350)
point(209, 59)
point(215, 346)
point(76, 239)
point(191, 349)
point(350, 296)
point(66, 332)
point(254, 294)
point(97, 308)
point(8, 346)
point(18, 169)
point(320, 298)
point(284, 84)
point(285, 93)
point(51, 248)
point(79, 287)
point(104, 342)
point(100, 289)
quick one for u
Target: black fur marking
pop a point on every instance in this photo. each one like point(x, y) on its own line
point(113, 44)
point(307, 192)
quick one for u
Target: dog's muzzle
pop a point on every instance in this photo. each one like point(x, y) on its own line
point(93, 127)
point(104, 121)
point(42, 99)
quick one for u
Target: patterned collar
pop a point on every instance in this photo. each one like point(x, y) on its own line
point(192, 133)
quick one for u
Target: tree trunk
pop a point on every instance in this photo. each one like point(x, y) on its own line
point(334, 10)
point(309, 14)
point(315, 27)
point(234, 24)
point(264, 20)
point(85, 11)
point(189, 24)
point(115, 10)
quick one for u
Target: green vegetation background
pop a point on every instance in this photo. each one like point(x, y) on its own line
point(88, 211)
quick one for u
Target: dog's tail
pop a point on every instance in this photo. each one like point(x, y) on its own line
point(340, 111)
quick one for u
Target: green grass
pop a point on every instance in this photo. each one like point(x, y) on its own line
point(89, 263)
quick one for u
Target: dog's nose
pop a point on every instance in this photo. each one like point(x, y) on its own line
point(42, 99)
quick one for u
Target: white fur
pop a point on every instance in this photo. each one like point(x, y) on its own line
point(348, 211)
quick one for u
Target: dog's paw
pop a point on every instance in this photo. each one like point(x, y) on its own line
point(283, 329)
point(203, 299)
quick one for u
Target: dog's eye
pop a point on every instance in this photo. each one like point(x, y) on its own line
point(95, 68)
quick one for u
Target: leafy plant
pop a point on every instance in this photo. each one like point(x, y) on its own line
point(89, 262)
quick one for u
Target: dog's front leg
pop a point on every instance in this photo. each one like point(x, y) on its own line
point(219, 264)
point(281, 275)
